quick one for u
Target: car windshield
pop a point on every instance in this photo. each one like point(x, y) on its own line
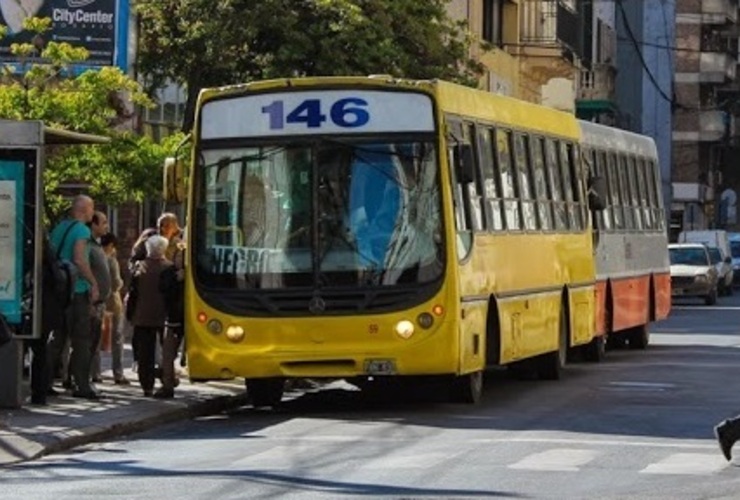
point(690, 256)
point(714, 255)
point(319, 212)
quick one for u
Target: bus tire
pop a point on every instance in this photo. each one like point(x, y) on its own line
point(550, 366)
point(639, 337)
point(264, 392)
point(467, 388)
point(595, 351)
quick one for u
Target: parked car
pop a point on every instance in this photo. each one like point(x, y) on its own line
point(692, 272)
point(724, 270)
point(714, 238)
point(735, 251)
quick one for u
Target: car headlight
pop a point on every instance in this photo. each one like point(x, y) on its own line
point(701, 278)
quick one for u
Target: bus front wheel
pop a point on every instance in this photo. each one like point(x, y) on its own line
point(467, 388)
point(265, 391)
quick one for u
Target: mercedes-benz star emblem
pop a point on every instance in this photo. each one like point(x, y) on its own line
point(317, 305)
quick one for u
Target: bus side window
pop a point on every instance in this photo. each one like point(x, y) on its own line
point(453, 139)
point(526, 188)
point(634, 193)
point(614, 193)
point(544, 207)
point(556, 186)
point(642, 187)
point(624, 192)
point(604, 216)
point(656, 194)
point(508, 180)
point(491, 184)
point(570, 187)
point(474, 188)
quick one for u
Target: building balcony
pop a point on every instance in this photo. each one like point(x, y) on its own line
point(552, 25)
point(597, 84)
point(719, 11)
point(717, 67)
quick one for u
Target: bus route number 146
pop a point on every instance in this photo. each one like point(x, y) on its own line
point(347, 113)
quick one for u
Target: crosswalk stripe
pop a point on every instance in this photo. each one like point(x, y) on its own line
point(558, 459)
point(699, 464)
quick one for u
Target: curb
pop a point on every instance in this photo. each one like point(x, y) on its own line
point(94, 434)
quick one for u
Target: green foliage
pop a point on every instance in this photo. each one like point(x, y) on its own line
point(96, 102)
point(204, 43)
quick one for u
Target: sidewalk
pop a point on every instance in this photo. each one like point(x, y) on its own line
point(67, 422)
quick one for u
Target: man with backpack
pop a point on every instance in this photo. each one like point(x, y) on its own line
point(70, 240)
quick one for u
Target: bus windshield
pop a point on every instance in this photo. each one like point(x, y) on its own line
point(319, 213)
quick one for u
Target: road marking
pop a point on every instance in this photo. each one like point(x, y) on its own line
point(417, 461)
point(559, 459)
point(699, 464)
point(639, 386)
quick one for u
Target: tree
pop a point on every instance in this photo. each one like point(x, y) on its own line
point(205, 43)
point(42, 86)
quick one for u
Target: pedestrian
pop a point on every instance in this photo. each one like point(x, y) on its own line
point(169, 228)
point(99, 265)
point(171, 285)
point(728, 433)
point(70, 240)
point(148, 311)
point(114, 308)
point(52, 319)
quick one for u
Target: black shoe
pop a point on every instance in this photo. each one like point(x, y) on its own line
point(122, 381)
point(98, 380)
point(92, 395)
point(726, 439)
point(148, 393)
point(67, 384)
point(52, 392)
point(38, 400)
point(164, 394)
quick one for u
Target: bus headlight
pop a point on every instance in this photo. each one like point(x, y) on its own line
point(405, 329)
point(425, 320)
point(215, 326)
point(235, 333)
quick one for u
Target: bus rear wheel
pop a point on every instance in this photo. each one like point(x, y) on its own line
point(595, 351)
point(639, 337)
point(467, 388)
point(265, 391)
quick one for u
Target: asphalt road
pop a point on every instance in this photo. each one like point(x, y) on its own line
point(638, 425)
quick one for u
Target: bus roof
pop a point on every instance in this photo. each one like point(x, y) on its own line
point(597, 135)
point(451, 98)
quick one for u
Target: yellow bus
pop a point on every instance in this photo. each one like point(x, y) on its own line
point(369, 227)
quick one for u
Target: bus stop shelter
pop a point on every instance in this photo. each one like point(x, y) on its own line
point(23, 145)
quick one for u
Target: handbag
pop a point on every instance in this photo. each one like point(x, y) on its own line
point(6, 333)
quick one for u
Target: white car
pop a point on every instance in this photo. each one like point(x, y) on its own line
point(692, 272)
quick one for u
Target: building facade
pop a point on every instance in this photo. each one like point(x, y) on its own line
point(706, 94)
point(646, 61)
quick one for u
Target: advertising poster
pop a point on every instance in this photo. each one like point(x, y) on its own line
point(83, 23)
point(11, 239)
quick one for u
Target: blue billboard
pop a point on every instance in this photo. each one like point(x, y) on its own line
point(100, 26)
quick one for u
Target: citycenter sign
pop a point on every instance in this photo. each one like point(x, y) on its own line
point(81, 16)
point(100, 26)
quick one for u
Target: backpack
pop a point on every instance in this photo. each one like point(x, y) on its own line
point(65, 274)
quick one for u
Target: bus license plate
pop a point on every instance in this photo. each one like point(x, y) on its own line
point(380, 367)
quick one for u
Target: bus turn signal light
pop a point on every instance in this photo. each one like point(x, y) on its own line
point(438, 310)
point(202, 317)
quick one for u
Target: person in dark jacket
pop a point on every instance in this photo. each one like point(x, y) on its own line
point(172, 286)
point(148, 311)
point(52, 318)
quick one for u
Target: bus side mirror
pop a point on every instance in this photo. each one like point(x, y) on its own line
point(728, 260)
point(464, 164)
point(597, 193)
point(174, 181)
